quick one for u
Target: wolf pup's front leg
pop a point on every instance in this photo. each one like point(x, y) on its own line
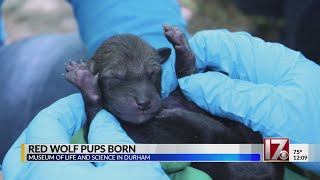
point(185, 58)
point(80, 76)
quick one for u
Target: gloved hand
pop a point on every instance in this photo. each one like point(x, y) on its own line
point(269, 88)
point(175, 170)
point(99, 20)
point(56, 124)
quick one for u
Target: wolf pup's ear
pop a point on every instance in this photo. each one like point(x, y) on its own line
point(164, 54)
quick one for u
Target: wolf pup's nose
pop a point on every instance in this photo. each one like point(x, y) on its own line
point(143, 104)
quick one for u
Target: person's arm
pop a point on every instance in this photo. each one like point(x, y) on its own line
point(56, 124)
point(269, 87)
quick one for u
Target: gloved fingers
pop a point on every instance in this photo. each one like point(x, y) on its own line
point(13, 168)
point(105, 129)
point(58, 122)
point(243, 57)
point(55, 124)
point(47, 128)
point(274, 111)
point(279, 101)
point(12, 164)
point(248, 103)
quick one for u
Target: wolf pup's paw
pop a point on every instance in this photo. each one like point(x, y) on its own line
point(80, 76)
point(171, 113)
point(185, 58)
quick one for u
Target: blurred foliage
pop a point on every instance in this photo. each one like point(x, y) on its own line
point(26, 18)
point(223, 14)
point(217, 14)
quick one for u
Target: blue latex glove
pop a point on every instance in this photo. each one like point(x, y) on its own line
point(56, 124)
point(99, 20)
point(2, 28)
point(269, 88)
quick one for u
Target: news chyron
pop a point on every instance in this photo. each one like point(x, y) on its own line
point(272, 150)
point(276, 149)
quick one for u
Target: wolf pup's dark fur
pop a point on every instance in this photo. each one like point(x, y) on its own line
point(124, 77)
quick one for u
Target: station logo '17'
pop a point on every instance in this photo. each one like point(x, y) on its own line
point(276, 149)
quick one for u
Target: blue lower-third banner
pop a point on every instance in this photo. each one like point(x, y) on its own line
point(146, 157)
